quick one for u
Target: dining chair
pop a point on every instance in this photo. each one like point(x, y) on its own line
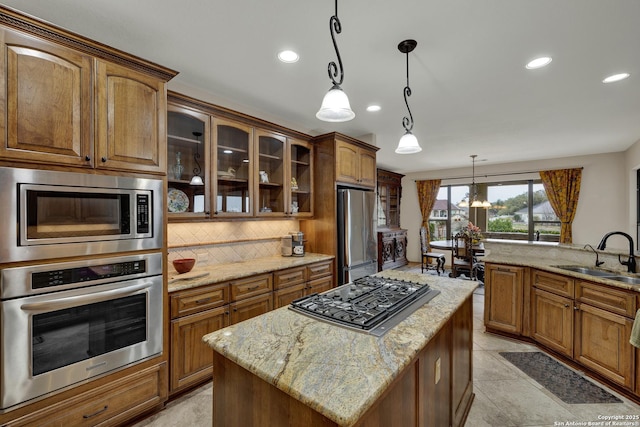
point(428, 256)
point(462, 258)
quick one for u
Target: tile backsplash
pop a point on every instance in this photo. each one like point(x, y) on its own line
point(229, 241)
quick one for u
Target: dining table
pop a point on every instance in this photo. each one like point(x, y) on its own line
point(447, 245)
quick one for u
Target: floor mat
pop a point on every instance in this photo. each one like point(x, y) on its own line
point(566, 384)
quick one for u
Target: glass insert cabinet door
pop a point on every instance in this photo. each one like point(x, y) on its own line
point(301, 179)
point(271, 173)
point(234, 172)
point(187, 162)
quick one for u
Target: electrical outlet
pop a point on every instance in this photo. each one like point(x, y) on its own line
point(438, 370)
point(203, 258)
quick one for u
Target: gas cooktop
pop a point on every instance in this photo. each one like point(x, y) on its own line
point(372, 304)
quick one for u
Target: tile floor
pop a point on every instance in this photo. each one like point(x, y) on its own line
point(505, 396)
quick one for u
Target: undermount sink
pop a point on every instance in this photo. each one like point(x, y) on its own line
point(587, 270)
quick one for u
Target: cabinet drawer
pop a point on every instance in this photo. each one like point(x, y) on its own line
point(199, 299)
point(320, 269)
point(251, 286)
point(109, 405)
point(319, 285)
point(250, 307)
point(615, 300)
point(555, 283)
point(289, 277)
point(284, 297)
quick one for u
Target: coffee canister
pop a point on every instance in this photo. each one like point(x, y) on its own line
point(297, 243)
point(286, 246)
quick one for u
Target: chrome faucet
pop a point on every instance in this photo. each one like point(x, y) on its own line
point(631, 262)
point(598, 262)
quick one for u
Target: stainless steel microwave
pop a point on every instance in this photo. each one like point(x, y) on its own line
point(61, 214)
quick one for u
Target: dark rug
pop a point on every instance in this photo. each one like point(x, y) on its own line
point(566, 384)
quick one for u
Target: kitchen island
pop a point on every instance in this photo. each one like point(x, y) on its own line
point(284, 368)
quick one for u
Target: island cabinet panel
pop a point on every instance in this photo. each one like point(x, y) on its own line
point(131, 122)
point(552, 321)
point(110, 405)
point(602, 344)
point(46, 102)
point(435, 380)
point(504, 298)
point(461, 363)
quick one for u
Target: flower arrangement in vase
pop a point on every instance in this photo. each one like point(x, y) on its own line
point(473, 232)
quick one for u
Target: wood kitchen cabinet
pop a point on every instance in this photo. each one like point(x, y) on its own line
point(195, 313)
point(504, 295)
point(389, 187)
point(298, 282)
point(552, 321)
point(61, 104)
point(355, 164)
point(188, 147)
point(392, 249)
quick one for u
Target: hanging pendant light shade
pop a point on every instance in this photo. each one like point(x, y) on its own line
point(335, 104)
point(408, 143)
point(473, 193)
point(197, 179)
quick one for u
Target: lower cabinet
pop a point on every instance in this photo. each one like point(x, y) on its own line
point(504, 297)
point(298, 282)
point(112, 404)
point(552, 321)
point(248, 308)
point(392, 249)
point(588, 322)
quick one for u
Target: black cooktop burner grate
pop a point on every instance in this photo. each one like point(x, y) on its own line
point(365, 303)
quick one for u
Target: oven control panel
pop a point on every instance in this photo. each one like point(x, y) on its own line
point(46, 279)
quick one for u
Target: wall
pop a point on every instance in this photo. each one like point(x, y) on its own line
point(226, 241)
point(605, 197)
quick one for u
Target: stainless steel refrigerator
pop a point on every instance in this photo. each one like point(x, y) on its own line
point(357, 242)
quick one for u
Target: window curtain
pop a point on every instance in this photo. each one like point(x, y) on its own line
point(427, 195)
point(563, 190)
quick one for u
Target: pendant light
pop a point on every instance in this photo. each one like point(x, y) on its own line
point(335, 104)
point(197, 179)
point(408, 144)
point(473, 194)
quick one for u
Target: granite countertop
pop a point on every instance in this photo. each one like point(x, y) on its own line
point(550, 264)
point(217, 273)
point(336, 371)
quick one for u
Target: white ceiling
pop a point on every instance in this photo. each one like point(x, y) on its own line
point(471, 92)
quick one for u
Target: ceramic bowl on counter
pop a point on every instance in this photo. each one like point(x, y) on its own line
point(184, 265)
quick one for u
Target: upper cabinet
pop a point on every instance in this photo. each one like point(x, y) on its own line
point(130, 121)
point(46, 102)
point(251, 171)
point(68, 101)
point(234, 170)
point(355, 164)
point(389, 194)
point(188, 136)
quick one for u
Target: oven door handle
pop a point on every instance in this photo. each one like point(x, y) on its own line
point(75, 301)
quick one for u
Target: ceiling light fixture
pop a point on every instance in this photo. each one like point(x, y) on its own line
point(473, 193)
point(335, 104)
point(538, 63)
point(288, 56)
point(197, 179)
point(408, 144)
point(373, 108)
point(616, 78)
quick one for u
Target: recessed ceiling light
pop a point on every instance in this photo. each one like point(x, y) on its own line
point(538, 63)
point(616, 77)
point(288, 56)
point(374, 108)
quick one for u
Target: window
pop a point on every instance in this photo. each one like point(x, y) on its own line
point(519, 211)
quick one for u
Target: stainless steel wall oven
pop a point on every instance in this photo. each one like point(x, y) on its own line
point(74, 214)
point(63, 323)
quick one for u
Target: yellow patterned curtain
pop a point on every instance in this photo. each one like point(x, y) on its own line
point(427, 194)
point(563, 190)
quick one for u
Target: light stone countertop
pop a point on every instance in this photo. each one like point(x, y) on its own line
point(236, 270)
point(547, 256)
point(336, 371)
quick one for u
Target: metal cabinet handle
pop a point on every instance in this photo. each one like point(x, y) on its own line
point(104, 160)
point(566, 306)
point(87, 158)
point(203, 300)
point(253, 288)
point(96, 413)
